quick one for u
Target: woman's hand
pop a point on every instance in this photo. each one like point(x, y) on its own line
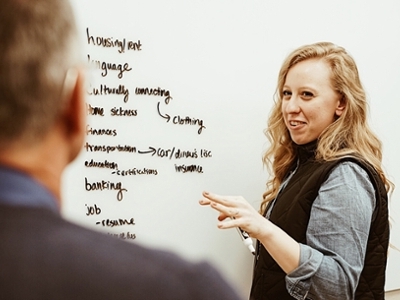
point(240, 211)
point(284, 249)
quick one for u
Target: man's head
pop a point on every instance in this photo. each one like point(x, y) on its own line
point(38, 48)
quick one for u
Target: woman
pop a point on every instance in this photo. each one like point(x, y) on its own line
point(323, 230)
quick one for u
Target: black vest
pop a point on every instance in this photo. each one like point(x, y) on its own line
point(291, 212)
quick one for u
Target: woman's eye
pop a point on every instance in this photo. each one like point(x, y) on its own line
point(286, 93)
point(307, 95)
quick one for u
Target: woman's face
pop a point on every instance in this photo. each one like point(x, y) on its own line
point(309, 103)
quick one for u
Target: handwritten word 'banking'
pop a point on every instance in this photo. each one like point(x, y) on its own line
point(110, 42)
point(106, 185)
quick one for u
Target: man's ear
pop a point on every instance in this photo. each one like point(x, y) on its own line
point(74, 114)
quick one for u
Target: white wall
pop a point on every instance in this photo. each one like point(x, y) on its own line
point(219, 61)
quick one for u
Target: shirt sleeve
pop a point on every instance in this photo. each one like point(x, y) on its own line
point(332, 259)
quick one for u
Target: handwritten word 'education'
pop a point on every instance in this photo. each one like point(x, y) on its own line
point(110, 42)
point(101, 164)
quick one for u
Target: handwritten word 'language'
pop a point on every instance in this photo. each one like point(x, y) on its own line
point(108, 66)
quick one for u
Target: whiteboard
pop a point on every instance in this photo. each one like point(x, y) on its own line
point(210, 69)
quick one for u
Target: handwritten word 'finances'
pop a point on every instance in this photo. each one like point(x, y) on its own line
point(110, 42)
point(97, 131)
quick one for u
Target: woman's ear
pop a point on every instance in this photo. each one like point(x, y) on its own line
point(341, 106)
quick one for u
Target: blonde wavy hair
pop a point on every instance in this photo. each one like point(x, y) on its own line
point(349, 134)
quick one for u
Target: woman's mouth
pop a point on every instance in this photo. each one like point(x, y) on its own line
point(296, 123)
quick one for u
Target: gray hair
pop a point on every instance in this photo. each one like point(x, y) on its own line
point(38, 46)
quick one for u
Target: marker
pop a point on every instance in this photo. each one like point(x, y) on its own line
point(246, 239)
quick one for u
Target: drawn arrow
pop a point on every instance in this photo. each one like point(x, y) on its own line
point(166, 115)
point(151, 150)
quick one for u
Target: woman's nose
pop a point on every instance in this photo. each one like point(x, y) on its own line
point(292, 105)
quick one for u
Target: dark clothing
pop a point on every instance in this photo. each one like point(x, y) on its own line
point(43, 256)
point(291, 212)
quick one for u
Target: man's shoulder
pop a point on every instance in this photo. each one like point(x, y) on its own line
point(68, 256)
